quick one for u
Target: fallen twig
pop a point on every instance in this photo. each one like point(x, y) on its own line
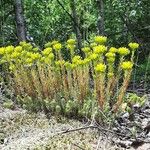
point(91, 126)
point(78, 146)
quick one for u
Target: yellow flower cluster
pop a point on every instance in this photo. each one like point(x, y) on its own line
point(110, 57)
point(57, 46)
point(126, 65)
point(9, 49)
point(46, 73)
point(2, 51)
point(93, 56)
point(47, 51)
point(100, 39)
point(123, 51)
point(113, 50)
point(134, 46)
point(99, 49)
point(68, 65)
point(110, 54)
point(100, 68)
point(86, 49)
point(71, 44)
point(59, 62)
point(26, 54)
point(76, 59)
point(18, 49)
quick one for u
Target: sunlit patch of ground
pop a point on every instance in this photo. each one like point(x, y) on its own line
point(21, 130)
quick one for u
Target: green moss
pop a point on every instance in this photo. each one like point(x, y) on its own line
point(8, 104)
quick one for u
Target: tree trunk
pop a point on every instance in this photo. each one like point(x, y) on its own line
point(76, 26)
point(19, 19)
point(100, 23)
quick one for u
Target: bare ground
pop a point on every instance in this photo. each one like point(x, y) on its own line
point(21, 130)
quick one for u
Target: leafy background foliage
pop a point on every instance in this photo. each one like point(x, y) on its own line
point(124, 20)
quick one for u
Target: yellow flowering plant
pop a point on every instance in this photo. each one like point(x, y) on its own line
point(100, 39)
point(45, 74)
point(134, 46)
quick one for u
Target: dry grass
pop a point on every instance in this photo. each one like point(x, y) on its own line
point(23, 130)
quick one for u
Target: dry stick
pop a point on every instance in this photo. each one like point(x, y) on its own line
point(96, 127)
point(90, 126)
point(78, 146)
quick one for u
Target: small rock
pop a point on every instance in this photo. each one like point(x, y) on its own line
point(125, 115)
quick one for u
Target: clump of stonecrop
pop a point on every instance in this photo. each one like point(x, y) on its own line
point(46, 75)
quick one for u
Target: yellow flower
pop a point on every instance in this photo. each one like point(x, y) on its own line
point(100, 39)
point(42, 59)
point(15, 55)
point(18, 49)
point(27, 47)
point(71, 47)
point(71, 42)
point(9, 49)
point(2, 51)
point(24, 53)
point(73, 66)
point(28, 54)
point(57, 46)
point(79, 62)
point(110, 59)
point(99, 49)
point(86, 49)
point(86, 60)
point(68, 65)
point(29, 61)
point(127, 65)
point(35, 56)
point(22, 43)
point(100, 68)
point(51, 56)
point(113, 50)
point(93, 56)
point(76, 59)
point(59, 62)
point(123, 51)
point(110, 54)
point(47, 51)
point(83, 62)
point(133, 46)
